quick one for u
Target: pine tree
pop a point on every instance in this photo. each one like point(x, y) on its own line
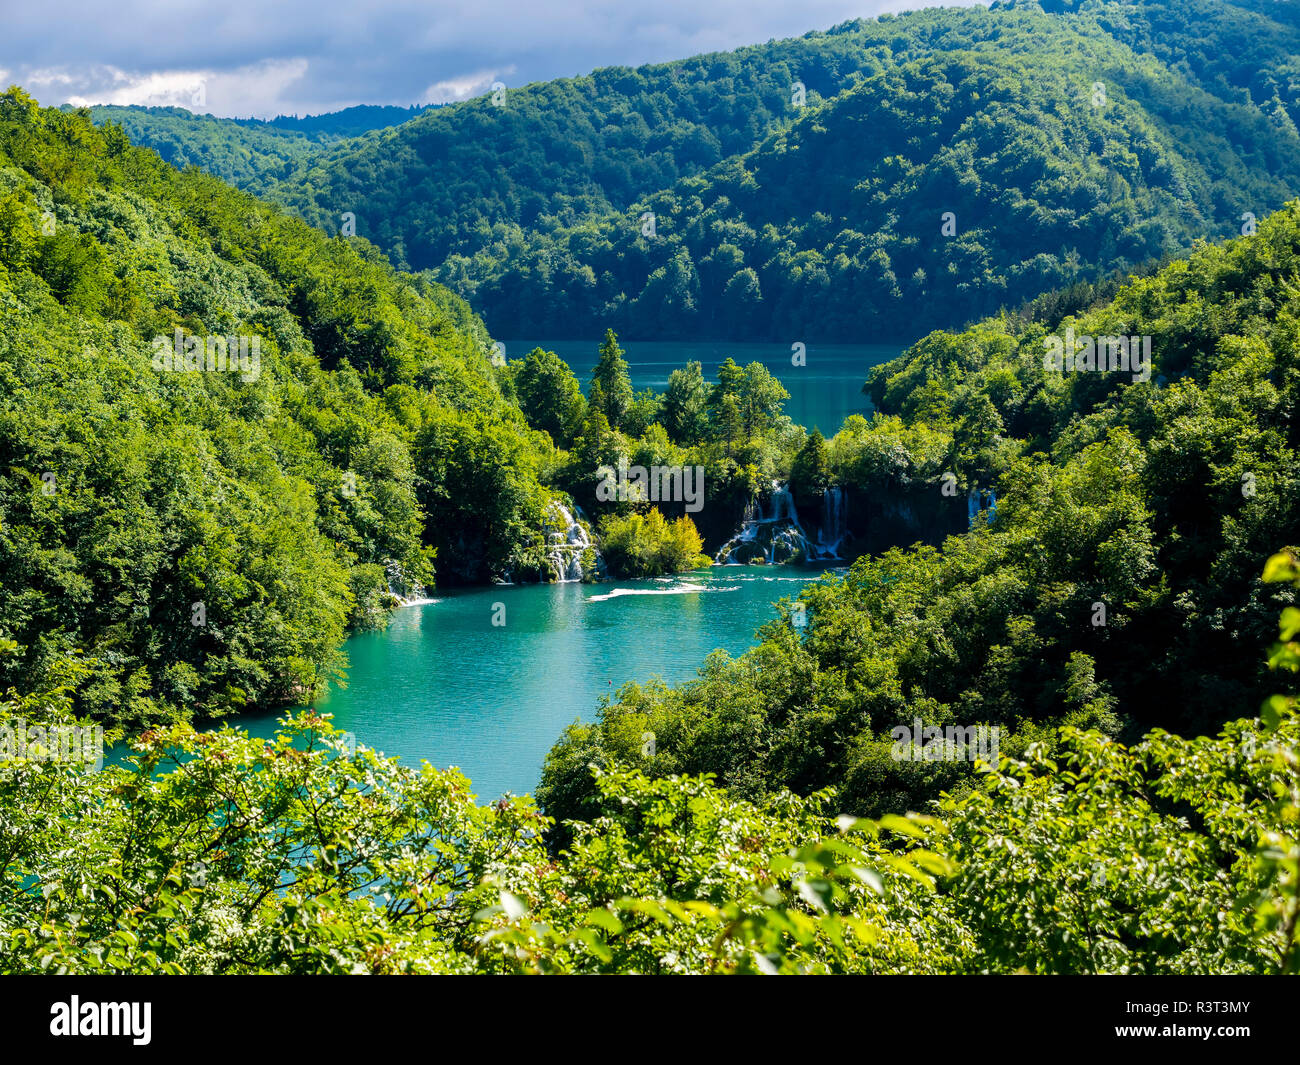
point(611, 383)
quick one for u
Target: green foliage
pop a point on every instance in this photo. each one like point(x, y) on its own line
point(648, 545)
point(222, 854)
point(760, 396)
point(480, 492)
point(1113, 590)
point(1277, 854)
point(811, 473)
point(685, 407)
point(206, 538)
point(549, 395)
point(611, 387)
point(1159, 859)
point(825, 221)
point(249, 153)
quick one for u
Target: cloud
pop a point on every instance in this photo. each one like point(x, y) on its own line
point(308, 56)
point(240, 91)
point(462, 88)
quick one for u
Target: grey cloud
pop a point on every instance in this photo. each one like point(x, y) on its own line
point(318, 56)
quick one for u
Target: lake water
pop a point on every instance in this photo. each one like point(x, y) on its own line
point(823, 392)
point(443, 684)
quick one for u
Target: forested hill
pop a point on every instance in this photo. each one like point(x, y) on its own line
point(1064, 145)
point(1058, 142)
point(202, 540)
point(249, 153)
point(1114, 586)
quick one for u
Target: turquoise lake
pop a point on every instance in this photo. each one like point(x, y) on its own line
point(443, 684)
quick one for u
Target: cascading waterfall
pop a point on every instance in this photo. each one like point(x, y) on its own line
point(566, 541)
point(779, 536)
point(758, 537)
point(402, 589)
point(835, 506)
point(783, 505)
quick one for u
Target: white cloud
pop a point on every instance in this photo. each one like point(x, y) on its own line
point(52, 76)
point(464, 87)
point(177, 88)
point(243, 91)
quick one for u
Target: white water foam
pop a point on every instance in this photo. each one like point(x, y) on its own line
point(683, 589)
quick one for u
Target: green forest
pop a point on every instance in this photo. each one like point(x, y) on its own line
point(282, 504)
point(205, 541)
point(1097, 563)
point(1114, 589)
point(934, 168)
point(249, 153)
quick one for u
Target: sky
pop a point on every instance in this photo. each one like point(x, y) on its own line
point(245, 58)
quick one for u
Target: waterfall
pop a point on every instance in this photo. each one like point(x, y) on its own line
point(976, 501)
point(399, 587)
point(566, 541)
point(779, 537)
point(783, 506)
point(833, 529)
